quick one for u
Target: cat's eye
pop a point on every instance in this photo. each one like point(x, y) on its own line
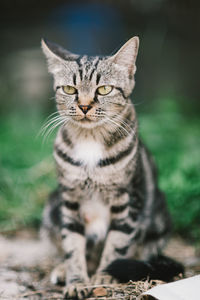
point(70, 90)
point(104, 90)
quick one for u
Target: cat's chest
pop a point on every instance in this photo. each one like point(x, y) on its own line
point(88, 152)
point(95, 215)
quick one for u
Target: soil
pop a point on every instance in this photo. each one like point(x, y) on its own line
point(26, 263)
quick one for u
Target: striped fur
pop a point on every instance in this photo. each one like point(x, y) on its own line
point(108, 195)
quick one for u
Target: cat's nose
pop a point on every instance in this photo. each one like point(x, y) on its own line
point(85, 108)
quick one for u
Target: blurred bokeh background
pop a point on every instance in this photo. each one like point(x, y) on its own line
point(166, 95)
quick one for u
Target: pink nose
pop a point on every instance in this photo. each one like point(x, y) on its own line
point(85, 108)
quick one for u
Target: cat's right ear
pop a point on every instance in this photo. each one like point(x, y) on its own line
point(55, 54)
point(52, 53)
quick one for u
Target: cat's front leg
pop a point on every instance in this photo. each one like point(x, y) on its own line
point(121, 242)
point(74, 247)
point(74, 244)
point(73, 270)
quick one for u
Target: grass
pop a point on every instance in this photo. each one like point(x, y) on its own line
point(28, 173)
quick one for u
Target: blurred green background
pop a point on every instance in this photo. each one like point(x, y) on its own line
point(166, 96)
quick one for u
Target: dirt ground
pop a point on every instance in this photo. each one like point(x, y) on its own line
point(26, 262)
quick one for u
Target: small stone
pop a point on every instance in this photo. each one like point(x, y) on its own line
point(22, 288)
point(100, 292)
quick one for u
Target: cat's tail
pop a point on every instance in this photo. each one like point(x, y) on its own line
point(157, 267)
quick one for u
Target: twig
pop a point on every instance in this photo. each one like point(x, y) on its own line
point(31, 293)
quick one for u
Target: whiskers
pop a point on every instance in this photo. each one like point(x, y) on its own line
point(117, 122)
point(120, 125)
point(52, 122)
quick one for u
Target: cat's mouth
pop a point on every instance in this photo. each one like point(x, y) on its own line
point(87, 121)
point(87, 118)
point(82, 118)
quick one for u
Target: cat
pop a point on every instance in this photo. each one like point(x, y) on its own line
point(107, 206)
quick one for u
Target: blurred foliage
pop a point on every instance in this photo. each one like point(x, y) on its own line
point(28, 173)
point(27, 170)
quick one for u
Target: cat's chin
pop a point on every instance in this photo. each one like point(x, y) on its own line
point(88, 123)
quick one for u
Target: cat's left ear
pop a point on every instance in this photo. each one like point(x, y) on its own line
point(127, 54)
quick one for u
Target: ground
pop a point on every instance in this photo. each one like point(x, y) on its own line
point(26, 264)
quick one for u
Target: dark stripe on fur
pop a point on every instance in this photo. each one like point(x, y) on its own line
point(152, 235)
point(66, 138)
point(121, 91)
point(76, 98)
point(121, 191)
point(67, 158)
point(122, 251)
point(114, 138)
point(74, 79)
point(71, 205)
point(64, 188)
point(74, 227)
point(96, 97)
point(98, 78)
point(81, 74)
point(114, 159)
point(133, 215)
point(90, 77)
point(121, 227)
point(80, 67)
point(94, 69)
point(69, 255)
point(118, 208)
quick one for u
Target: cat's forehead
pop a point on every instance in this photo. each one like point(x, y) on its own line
point(87, 71)
point(92, 63)
point(87, 65)
point(93, 68)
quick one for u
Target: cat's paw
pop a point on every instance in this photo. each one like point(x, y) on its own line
point(58, 275)
point(77, 291)
point(102, 278)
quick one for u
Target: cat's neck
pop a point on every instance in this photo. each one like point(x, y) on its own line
point(89, 146)
point(77, 132)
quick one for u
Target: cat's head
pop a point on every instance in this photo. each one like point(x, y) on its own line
point(92, 90)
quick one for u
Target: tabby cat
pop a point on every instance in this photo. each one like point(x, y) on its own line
point(107, 206)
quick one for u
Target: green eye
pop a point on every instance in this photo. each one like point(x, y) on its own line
point(70, 90)
point(104, 89)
